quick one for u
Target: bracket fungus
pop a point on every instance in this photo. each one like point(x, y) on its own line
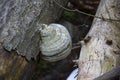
point(54, 42)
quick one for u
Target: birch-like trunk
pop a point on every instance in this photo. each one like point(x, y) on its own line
point(101, 52)
point(18, 20)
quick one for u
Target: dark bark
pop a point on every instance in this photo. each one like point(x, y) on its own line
point(111, 75)
point(89, 6)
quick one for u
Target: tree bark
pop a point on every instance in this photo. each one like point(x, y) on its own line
point(101, 49)
point(22, 15)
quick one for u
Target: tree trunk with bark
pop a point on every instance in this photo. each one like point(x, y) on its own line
point(100, 50)
point(18, 18)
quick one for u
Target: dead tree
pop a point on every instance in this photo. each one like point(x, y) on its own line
point(18, 22)
point(100, 50)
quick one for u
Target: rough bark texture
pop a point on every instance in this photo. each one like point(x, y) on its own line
point(102, 52)
point(19, 20)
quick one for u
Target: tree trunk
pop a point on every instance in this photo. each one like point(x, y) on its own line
point(18, 18)
point(100, 51)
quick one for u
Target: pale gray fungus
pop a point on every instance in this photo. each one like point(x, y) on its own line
point(53, 41)
point(56, 42)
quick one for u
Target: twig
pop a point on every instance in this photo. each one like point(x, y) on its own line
point(76, 61)
point(76, 47)
point(76, 10)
